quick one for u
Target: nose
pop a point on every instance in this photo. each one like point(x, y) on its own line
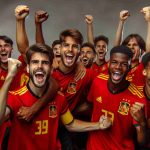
point(40, 65)
point(118, 66)
point(70, 48)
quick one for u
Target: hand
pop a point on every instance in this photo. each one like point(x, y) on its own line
point(138, 113)
point(105, 122)
point(55, 64)
point(80, 71)
point(25, 113)
point(21, 12)
point(146, 12)
point(89, 19)
point(41, 16)
point(13, 65)
point(124, 14)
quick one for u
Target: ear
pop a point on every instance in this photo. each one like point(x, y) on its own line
point(144, 72)
point(27, 68)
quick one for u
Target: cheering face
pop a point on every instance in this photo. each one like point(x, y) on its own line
point(56, 51)
point(118, 67)
point(69, 51)
point(101, 49)
point(87, 56)
point(134, 46)
point(5, 51)
point(39, 69)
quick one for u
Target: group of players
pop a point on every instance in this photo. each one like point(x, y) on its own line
point(47, 92)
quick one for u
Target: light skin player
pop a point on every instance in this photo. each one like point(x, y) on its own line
point(39, 59)
point(21, 12)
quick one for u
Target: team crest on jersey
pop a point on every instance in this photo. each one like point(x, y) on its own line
point(72, 87)
point(52, 111)
point(124, 108)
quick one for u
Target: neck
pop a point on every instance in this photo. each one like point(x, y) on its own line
point(134, 63)
point(4, 66)
point(100, 62)
point(65, 69)
point(39, 92)
point(117, 88)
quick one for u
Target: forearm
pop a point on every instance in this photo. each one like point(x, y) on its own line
point(82, 126)
point(142, 133)
point(21, 36)
point(90, 35)
point(148, 37)
point(3, 95)
point(39, 33)
point(119, 33)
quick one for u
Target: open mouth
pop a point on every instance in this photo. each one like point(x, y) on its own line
point(116, 76)
point(40, 76)
point(85, 59)
point(57, 55)
point(4, 56)
point(69, 58)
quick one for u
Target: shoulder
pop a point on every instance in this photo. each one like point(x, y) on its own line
point(103, 76)
point(19, 91)
point(135, 91)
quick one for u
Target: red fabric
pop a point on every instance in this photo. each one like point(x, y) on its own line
point(41, 133)
point(120, 135)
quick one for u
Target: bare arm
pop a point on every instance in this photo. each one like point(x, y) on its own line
point(12, 69)
point(21, 12)
point(137, 112)
point(124, 14)
point(83, 126)
point(40, 17)
point(89, 21)
point(146, 12)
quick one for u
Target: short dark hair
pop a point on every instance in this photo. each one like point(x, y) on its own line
point(6, 39)
point(122, 49)
point(39, 48)
point(146, 59)
point(74, 33)
point(139, 39)
point(87, 44)
point(55, 43)
point(101, 38)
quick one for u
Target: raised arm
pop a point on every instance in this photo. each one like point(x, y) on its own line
point(21, 12)
point(13, 65)
point(146, 12)
point(89, 22)
point(40, 17)
point(124, 14)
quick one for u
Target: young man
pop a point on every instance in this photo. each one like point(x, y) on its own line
point(123, 102)
point(87, 54)
point(136, 43)
point(101, 47)
point(41, 133)
point(146, 89)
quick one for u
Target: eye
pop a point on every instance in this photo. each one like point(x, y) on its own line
point(46, 62)
point(34, 61)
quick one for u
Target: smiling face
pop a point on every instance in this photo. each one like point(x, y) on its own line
point(56, 51)
point(87, 56)
point(39, 69)
point(134, 46)
point(118, 67)
point(69, 51)
point(101, 49)
point(5, 51)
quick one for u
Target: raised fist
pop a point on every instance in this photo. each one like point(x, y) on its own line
point(89, 19)
point(41, 16)
point(21, 11)
point(124, 14)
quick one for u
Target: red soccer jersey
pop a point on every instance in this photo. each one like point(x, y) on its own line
point(116, 106)
point(136, 76)
point(41, 133)
point(100, 69)
point(73, 88)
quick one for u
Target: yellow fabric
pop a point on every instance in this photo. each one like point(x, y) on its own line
point(67, 117)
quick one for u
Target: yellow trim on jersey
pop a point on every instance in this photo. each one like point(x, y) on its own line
point(20, 91)
point(67, 117)
point(134, 90)
point(103, 76)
